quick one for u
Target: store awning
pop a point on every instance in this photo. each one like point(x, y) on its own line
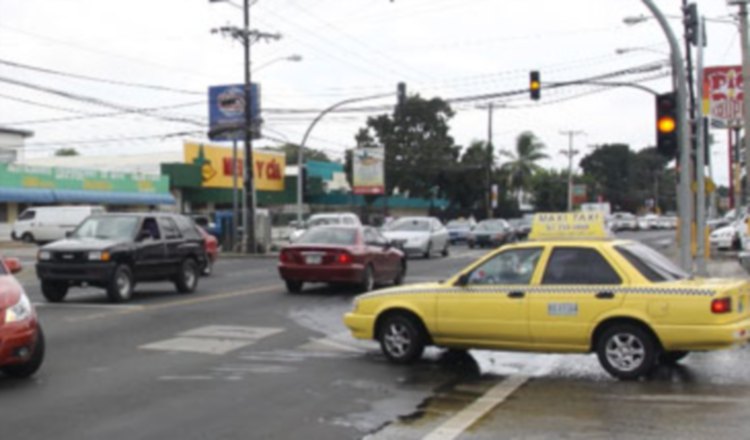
point(111, 197)
point(26, 195)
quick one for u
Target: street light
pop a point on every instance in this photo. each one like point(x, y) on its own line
point(293, 58)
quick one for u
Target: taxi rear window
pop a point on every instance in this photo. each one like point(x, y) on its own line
point(651, 264)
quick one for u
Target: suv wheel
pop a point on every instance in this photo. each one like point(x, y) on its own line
point(187, 278)
point(54, 291)
point(27, 237)
point(120, 288)
point(626, 351)
point(31, 366)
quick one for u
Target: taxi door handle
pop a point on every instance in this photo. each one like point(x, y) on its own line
point(605, 295)
point(516, 294)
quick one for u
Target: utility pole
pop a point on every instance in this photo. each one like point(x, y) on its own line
point(490, 155)
point(570, 153)
point(247, 37)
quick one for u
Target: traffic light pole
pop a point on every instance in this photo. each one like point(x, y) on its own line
point(683, 189)
point(700, 158)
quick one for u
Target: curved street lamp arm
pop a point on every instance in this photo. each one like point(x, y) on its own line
point(312, 125)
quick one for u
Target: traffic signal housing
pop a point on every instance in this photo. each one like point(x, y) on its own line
point(535, 85)
point(666, 124)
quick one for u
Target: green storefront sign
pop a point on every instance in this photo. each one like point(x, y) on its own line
point(22, 176)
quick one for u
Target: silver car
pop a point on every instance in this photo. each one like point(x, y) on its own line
point(419, 236)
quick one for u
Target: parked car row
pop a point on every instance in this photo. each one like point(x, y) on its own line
point(625, 221)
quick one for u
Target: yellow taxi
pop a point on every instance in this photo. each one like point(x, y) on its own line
point(570, 289)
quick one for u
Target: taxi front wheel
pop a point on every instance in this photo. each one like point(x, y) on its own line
point(401, 339)
point(626, 351)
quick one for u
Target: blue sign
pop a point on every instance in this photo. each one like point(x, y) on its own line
point(226, 111)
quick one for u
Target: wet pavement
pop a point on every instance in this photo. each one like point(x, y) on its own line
point(241, 358)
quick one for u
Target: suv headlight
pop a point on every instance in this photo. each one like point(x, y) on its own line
point(98, 256)
point(20, 311)
point(44, 255)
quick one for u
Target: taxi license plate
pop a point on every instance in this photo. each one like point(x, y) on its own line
point(313, 259)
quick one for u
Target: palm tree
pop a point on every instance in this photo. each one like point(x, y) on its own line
point(521, 165)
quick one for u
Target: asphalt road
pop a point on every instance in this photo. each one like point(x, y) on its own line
point(242, 359)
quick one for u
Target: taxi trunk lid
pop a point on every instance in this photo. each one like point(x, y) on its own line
point(719, 300)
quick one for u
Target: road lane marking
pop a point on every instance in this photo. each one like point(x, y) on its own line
point(337, 342)
point(213, 339)
point(456, 425)
point(680, 398)
point(180, 303)
point(46, 305)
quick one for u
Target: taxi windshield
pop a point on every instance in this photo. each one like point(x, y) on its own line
point(650, 263)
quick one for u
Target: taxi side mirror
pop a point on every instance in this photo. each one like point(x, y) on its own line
point(463, 280)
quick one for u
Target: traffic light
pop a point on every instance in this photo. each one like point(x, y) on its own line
point(401, 93)
point(666, 124)
point(535, 85)
point(691, 23)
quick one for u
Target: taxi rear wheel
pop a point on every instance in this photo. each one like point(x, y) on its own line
point(626, 351)
point(401, 338)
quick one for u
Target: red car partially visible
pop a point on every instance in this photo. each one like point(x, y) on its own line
point(354, 255)
point(211, 245)
point(21, 337)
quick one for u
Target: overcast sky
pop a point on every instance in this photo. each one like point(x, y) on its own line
point(350, 48)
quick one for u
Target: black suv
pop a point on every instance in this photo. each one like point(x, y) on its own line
point(114, 251)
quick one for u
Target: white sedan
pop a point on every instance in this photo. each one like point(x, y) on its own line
point(725, 238)
point(419, 236)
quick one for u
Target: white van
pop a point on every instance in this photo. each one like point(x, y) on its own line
point(49, 223)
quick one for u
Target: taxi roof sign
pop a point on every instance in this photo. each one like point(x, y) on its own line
point(568, 225)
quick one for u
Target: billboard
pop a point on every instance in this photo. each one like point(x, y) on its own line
point(367, 171)
point(217, 166)
point(226, 111)
point(722, 93)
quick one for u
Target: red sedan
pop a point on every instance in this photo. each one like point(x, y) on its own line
point(21, 338)
point(211, 244)
point(341, 255)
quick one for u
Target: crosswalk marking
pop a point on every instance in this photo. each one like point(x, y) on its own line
point(213, 339)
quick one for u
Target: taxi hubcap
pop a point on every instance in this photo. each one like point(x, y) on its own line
point(397, 339)
point(625, 352)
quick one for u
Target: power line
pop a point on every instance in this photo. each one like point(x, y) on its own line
point(96, 79)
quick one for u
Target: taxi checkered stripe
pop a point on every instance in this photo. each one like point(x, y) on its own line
point(552, 290)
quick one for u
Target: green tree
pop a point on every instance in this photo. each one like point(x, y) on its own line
point(550, 190)
point(417, 144)
point(611, 166)
point(66, 152)
point(522, 163)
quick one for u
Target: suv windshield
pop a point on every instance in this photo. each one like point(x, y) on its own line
point(109, 227)
point(650, 263)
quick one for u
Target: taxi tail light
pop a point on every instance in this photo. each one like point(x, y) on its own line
point(344, 258)
point(721, 305)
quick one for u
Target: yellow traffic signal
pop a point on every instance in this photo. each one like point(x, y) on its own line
point(666, 124)
point(535, 85)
